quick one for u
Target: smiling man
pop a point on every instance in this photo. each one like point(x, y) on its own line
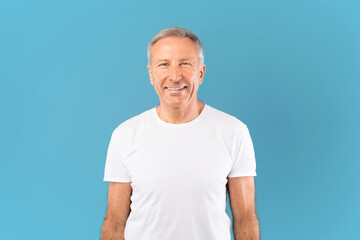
point(169, 168)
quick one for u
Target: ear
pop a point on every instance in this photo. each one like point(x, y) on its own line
point(150, 75)
point(202, 73)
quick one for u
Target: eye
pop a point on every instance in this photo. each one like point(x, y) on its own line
point(162, 64)
point(185, 63)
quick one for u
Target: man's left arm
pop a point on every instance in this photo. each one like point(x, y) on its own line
point(242, 201)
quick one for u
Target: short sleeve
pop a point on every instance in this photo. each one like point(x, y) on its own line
point(115, 170)
point(244, 163)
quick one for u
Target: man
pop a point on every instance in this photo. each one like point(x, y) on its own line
point(169, 168)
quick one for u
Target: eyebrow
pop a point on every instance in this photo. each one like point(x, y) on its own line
point(161, 60)
point(186, 59)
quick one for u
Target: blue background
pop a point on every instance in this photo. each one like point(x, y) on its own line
point(71, 71)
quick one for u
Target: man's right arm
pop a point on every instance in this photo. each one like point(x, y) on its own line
point(117, 212)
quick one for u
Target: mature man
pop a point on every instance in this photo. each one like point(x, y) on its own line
point(169, 168)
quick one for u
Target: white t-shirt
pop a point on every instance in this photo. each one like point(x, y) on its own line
point(178, 173)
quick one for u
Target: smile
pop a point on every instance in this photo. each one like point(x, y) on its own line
point(176, 89)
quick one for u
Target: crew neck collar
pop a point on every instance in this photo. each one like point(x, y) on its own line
point(180, 125)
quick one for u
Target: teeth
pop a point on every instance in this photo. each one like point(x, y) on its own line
point(176, 88)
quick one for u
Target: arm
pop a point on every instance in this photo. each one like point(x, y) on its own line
point(118, 210)
point(242, 201)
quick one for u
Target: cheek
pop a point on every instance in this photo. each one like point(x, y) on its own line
point(159, 77)
point(194, 79)
point(191, 74)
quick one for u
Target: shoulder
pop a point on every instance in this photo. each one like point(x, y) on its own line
point(226, 121)
point(133, 123)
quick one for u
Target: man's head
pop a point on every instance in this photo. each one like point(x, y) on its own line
point(176, 32)
point(176, 60)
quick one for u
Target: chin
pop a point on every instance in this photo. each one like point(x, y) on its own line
point(175, 104)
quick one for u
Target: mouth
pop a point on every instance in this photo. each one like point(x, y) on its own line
point(175, 89)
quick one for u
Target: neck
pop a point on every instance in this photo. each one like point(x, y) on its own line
point(182, 114)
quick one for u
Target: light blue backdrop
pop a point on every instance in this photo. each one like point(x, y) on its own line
point(71, 71)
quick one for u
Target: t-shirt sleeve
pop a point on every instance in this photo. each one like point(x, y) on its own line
point(115, 170)
point(244, 163)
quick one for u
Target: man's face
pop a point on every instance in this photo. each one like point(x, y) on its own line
point(175, 64)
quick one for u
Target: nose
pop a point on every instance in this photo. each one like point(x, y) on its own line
point(175, 73)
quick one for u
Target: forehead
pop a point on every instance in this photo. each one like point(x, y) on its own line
point(173, 47)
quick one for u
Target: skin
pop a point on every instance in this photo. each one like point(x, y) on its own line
point(242, 202)
point(174, 63)
point(117, 212)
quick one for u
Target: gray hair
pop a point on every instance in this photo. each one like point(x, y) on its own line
point(178, 32)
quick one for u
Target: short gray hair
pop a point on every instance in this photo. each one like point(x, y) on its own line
point(177, 32)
